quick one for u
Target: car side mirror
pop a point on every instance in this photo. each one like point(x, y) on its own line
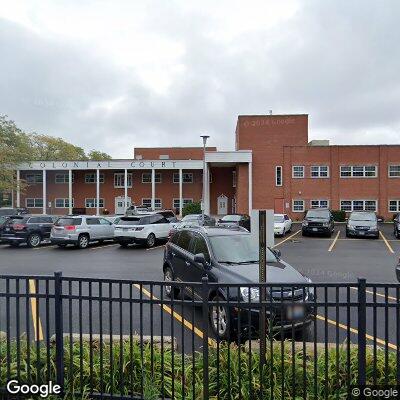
point(200, 259)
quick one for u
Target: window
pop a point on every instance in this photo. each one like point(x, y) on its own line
point(298, 206)
point(146, 177)
point(358, 205)
point(394, 171)
point(319, 203)
point(358, 171)
point(187, 177)
point(63, 203)
point(175, 203)
point(93, 221)
point(91, 178)
point(297, 171)
point(34, 203)
point(119, 180)
point(34, 178)
point(394, 205)
point(200, 246)
point(319, 171)
point(91, 203)
point(184, 240)
point(278, 176)
point(157, 203)
point(233, 178)
point(63, 178)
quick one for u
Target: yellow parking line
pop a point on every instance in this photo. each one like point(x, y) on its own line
point(355, 331)
point(36, 319)
point(334, 241)
point(288, 238)
point(386, 242)
point(378, 294)
point(178, 317)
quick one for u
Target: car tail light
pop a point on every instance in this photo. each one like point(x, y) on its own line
point(19, 227)
point(70, 227)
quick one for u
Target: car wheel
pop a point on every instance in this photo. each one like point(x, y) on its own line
point(170, 291)
point(151, 240)
point(83, 241)
point(220, 319)
point(303, 233)
point(34, 240)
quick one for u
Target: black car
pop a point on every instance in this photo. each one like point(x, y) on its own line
point(235, 219)
point(362, 223)
point(29, 229)
point(230, 256)
point(318, 221)
point(3, 220)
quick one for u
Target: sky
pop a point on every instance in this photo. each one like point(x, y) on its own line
point(114, 75)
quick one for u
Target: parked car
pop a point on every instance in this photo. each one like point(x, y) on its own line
point(142, 229)
point(230, 256)
point(282, 224)
point(9, 211)
point(3, 220)
point(362, 223)
point(134, 210)
point(235, 220)
point(208, 221)
point(169, 215)
point(81, 230)
point(318, 221)
point(29, 229)
point(396, 226)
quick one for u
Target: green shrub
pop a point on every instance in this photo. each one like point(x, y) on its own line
point(192, 208)
point(339, 215)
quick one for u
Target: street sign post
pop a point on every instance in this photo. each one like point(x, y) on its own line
point(262, 280)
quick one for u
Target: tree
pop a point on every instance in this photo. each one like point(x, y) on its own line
point(98, 155)
point(191, 208)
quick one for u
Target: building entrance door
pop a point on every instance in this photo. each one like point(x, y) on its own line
point(120, 206)
point(222, 205)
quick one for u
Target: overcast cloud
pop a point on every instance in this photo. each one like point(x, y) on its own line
point(113, 75)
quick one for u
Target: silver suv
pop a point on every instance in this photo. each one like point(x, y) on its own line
point(81, 230)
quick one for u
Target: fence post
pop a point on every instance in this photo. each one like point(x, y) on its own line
point(204, 295)
point(59, 330)
point(362, 341)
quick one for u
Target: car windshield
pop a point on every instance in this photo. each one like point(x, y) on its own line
point(190, 217)
point(279, 218)
point(317, 214)
point(362, 217)
point(231, 218)
point(237, 249)
point(68, 221)
point(129, 221)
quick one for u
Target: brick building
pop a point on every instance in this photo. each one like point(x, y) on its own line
point(273, 166)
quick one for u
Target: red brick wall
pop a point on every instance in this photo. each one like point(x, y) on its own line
point(174, 153)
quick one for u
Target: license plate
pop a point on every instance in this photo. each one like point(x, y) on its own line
point(361, 233)
point(295, 312)
point(7, 229)
point(315, 229)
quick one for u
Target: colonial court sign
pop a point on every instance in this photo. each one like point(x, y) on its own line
point(112, 164)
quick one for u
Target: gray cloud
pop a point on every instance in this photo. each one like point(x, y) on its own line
point(336, 60)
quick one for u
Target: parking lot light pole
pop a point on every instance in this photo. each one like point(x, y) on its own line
point(204, 137)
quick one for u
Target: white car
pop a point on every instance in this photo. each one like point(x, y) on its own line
point(282, 224)
point(142, 229)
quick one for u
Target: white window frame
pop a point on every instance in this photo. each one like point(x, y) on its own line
point(93, 201)
point(319, 173)
point(276, 175)
point(158, 177)
point(35, 200)
point(296, 172)
point(293, 206)
point(175, 177)
point(352, 201)
point(393, 176)
point(156, 201)
point(90, 174)
point(175, 202)
point(319, 203)
point(121, 177)
point(64, 179)
point(397, 206)
point(36, 178)
point(352, 171)
point(64, 201)
point(234, 181)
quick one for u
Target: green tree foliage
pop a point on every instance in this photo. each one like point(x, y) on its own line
point(98, 155)
point(192, 208)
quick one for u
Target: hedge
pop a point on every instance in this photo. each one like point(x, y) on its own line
point(168, 368)
point(339, 215)
point(191, 208)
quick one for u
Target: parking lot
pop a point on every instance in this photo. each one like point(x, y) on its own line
point(337, 259)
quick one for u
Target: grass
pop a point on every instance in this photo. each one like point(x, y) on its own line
point(233, 374)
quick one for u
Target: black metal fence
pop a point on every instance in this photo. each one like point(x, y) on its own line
point(106, 338)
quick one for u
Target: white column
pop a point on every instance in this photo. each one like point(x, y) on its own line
point(126, 189)
point(250, 187)
point(18, 189)
point(207, 191)
point(70, 191)
point(153, 188)
point(180, 192)
point(44, 185)
point(97, 191)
